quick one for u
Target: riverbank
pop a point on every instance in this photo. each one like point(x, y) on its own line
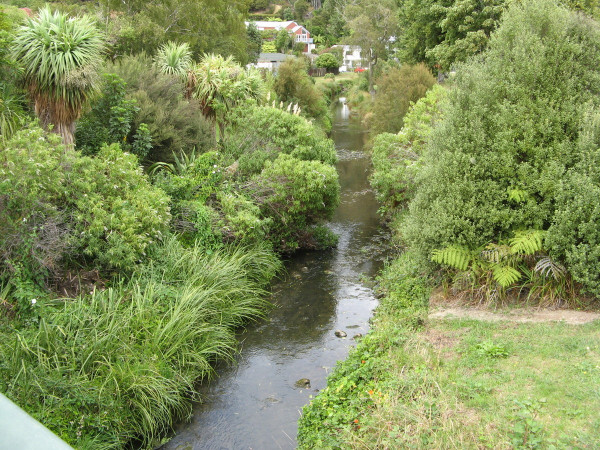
point(425, 382)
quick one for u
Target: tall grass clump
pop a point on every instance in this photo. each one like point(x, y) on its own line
point(119, 366)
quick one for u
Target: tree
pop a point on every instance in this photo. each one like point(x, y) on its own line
point(467, 26)
point(397, 89)
point(60, 57)
point(372, 24)
point(293, 85)
point(255, 42)
point(510, 136)
point(174, 59)
point(328, 61)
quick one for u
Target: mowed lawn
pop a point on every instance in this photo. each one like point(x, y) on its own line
point(462, 383)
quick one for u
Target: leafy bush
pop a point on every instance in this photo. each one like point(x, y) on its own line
point(296, 194)
point(60, 205)
point(396, 157)
point(509, 133)
point(396, 90)
point(175, 124)
point(327, 61)
point(258, 134)
point(293, 85)
point(110, 121)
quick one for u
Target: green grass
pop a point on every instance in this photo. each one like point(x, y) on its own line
point(455, 383)
point(119, 366)
point(319, 81)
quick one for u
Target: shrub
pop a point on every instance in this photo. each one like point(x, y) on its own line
point(175, 124)
point(396, 90)
point(110, 121)
point(296, 194)
point(293, 85)
point(509, 133)
point(327, 61)
point(259, 134)
point(60, 205)
point(397, 157)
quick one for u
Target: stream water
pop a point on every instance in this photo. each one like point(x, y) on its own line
point(255, 403)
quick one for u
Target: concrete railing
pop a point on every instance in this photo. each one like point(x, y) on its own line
point(18, 430)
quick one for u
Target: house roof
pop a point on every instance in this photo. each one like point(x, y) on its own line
point(272, 57)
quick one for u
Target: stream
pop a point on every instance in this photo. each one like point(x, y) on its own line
point(255, 403)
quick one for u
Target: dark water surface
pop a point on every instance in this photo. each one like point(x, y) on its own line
point(255, 403)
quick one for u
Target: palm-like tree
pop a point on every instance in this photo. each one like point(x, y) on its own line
point(174, 59)
point(221, 83)
point(60, 56)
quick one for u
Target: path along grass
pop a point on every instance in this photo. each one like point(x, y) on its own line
point(458, 383)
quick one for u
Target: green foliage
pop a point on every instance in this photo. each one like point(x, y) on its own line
point(255, 42)
point(283, 41)
point(174, 59)
point(466, 28)
point(293, 85)
point(62, 206)
point(110, 121)
point(491, 350)
point(242, 219)
point(121, 364)
point(258, 134)
point(175, 124)
point(456, 257)
point(512, 123)
point(327, 61)
point(205, 25)
point(221, 84)
point(60, 57)
point(396, 90)
point(11, 98)
point(371, 24)
point(296, 194)
point(397, 157)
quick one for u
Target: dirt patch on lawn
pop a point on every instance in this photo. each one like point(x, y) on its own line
point(520, 315)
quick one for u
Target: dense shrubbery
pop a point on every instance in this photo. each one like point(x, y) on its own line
point(175, 124)
point(260, 133)
point(293, 85)
point(512, 154)
point(60, 206)
point(397, 157)
point(396, 90)
point(121, 363)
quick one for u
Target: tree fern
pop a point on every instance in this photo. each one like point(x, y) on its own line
point(527, 242)
point(457, 257)
point(546, 267)
point(505, 275)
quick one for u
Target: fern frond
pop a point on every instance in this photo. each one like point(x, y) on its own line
point(457, 257)
point(527, 242)
point(546, 266)
point(495, 252)
point(506, 275)
point(517, 195)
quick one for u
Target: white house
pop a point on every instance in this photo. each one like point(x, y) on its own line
point(351, 57)
point(300, 33)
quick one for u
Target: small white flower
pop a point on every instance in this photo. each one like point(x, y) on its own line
point(213, 171)
point(215, 165)
point(33, 301)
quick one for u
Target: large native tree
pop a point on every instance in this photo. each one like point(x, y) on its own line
point(60, 56)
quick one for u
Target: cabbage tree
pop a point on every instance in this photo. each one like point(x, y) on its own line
point(60, 56)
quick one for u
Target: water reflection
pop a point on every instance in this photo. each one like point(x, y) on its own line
point(254, 404)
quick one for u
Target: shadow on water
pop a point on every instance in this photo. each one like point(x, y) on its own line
point(255, 403)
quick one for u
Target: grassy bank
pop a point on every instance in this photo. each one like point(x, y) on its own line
point(118, 366)
point(457, 383)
